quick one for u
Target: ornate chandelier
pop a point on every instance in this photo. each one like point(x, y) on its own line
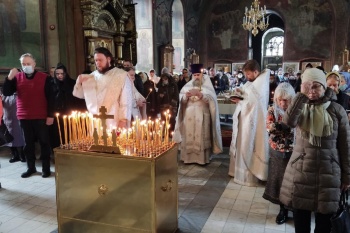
point(255, 18)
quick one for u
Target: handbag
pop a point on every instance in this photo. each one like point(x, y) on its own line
point(5, 136)
point(341, 219)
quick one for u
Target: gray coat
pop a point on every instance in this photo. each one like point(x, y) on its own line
point(11, 121)
point(314, 174)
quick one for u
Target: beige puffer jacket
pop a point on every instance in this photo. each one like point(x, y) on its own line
point(314, 174)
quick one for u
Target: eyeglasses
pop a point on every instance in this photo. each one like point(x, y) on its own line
point(316, 86)
point(59, 74)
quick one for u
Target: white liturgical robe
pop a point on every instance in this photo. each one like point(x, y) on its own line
point(137, 111)
point(112, 89)
point(197, 126)
point(249, 145)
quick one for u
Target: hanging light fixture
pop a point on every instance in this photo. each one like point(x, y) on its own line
point(255, 18)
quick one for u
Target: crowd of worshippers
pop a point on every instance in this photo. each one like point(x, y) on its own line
point(31, 99)
point(294, 136)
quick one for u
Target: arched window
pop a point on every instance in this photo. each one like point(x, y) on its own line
point(275, 46)
point(272, 48)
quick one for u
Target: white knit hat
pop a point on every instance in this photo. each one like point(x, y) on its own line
point(314, 75)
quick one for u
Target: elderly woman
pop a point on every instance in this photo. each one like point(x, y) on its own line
point(345, 82)
point(319, 167)
point(333, 81)
point(281, 138)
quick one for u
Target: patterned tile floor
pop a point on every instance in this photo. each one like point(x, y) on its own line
point(209, 201)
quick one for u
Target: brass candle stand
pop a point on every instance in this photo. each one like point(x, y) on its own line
point(87, 132)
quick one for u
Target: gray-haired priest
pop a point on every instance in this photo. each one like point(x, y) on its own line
point(197, 126)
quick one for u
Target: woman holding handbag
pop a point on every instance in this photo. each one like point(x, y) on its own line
point(319, 168)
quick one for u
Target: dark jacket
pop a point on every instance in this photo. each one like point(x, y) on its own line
point(139, 85)
point(167, 96)
point(151, 100)
point(314, 174)
point(343, 99)
point(224, 82)
point(65, 102)
point(182, 83)
point(216, 83)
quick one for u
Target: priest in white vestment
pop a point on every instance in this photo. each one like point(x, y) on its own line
point(249, 145)
point(107, 86)
point(197, 127)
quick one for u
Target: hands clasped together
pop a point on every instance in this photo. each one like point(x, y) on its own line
point(193, 93)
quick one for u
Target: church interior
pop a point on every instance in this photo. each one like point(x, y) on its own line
point(153, 34)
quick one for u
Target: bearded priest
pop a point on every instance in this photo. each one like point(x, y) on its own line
point(107, 86)
point(249, 146)
point(197, 126)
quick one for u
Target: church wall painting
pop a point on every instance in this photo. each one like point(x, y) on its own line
point(237, 66)
point(144, 50)
point(313, 63)
point(308, 27)
point(226, 37)
point(178, 55)
point(143, 14)
point(163, 21)
point(290, 67)
point(222, 67)
point(20, 29)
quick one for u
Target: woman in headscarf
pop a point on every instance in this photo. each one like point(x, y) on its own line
point(281, 141)
point(319, 168)
point(150, 95)
point(333, 81)
point(345, 85)
point(65, 102)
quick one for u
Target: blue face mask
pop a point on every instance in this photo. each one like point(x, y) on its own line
point(343, 87)
point(28, 69)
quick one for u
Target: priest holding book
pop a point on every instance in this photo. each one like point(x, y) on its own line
point(197, 126)
point(249, 145)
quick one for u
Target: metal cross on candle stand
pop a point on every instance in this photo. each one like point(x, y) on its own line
point(103, 117)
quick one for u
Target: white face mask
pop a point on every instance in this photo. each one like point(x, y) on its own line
point(28, 69)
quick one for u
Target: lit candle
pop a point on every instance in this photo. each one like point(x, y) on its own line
point(65, 129)
point(150, 90)
point(83, 125)
point(59, 128)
